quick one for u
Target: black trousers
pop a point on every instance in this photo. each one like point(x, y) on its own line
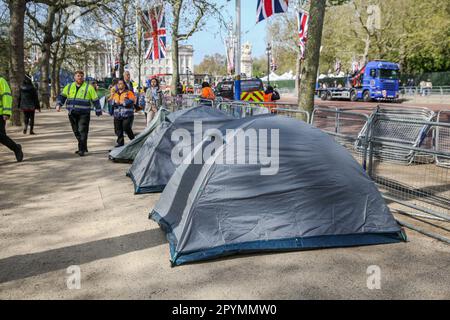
point(121, 126)
point(29, 119)
point(80, 128)
point(4, 139)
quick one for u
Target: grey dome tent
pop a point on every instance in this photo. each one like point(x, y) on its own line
point(128, 152)
point(153, 165)
point(319, 198)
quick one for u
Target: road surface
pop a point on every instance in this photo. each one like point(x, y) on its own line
point(348, 104)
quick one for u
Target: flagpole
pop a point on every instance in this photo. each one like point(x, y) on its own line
point(237, 82)
point(139, 41)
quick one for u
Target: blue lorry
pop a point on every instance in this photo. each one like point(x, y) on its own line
point(377, 80)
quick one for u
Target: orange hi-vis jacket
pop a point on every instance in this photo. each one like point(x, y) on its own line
point(268, 98)
point(123, 104)
point(208, 93)
point(120, 97)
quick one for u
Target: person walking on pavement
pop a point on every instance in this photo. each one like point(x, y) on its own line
point(79, 96)
point(28, 103)
point(179, 89)
point(128, 82)
point(123, 102)
point(130, 85)
point(5, 114)
point(154, 99)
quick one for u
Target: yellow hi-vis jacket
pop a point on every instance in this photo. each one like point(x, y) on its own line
point(5, 98)
point(81, 100)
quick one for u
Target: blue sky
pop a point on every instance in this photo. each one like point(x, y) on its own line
point(210, 41)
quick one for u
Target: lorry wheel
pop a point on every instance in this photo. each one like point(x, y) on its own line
point(353, 96)
point(329, 97)
point(366, 96)
point(323, 95)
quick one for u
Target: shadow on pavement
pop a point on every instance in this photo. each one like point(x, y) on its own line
point(29, 265)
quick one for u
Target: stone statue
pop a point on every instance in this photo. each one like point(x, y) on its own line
point(246, 60)
point(247, 50)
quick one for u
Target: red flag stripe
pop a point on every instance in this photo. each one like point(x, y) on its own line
point(268, 5)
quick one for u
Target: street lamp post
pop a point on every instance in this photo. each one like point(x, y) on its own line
point(187, 76)
point(268, 52)
point(237, 62)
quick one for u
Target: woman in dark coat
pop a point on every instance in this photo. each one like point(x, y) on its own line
point(28, 103)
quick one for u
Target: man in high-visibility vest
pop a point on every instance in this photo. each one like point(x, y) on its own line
point(79, 97)
point(5, 114)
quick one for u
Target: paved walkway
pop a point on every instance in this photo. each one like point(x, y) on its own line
point(58, 210)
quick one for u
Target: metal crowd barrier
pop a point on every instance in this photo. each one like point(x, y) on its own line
point(240, 109)
point(286, 109)
point(296, 114)
point(421, 186)
point(443, 138)
point(189, 100)
point(410, 133)
point(173, 103)
point(274, 105)
point(179, 102)
point(412, 91)
point(344, 126)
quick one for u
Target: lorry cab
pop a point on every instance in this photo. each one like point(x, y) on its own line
point(378, 80)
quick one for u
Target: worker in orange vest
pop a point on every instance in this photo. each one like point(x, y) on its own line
point(207, 92)
point(123, 102)
point(271, 95)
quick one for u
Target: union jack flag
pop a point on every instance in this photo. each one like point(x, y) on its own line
point(154, 23)
point(266, 8)
point(303, 22)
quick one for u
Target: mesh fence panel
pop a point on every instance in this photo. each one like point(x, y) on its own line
point(398, 126)
point(417, 184)
point(443, 139)
point(402, 153)
point(344, 126)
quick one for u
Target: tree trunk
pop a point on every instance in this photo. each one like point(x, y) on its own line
point(312, 55)
point(54, 73)
point(122, 40)
point(175, 67)
point(44, 88)
point(121, 55)
point(17, 69)
point(58, 65)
